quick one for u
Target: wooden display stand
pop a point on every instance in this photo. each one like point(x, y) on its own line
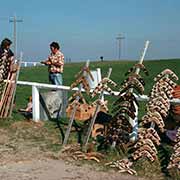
point(83, 112)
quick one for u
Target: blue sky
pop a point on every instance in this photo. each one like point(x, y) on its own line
point(87, 29)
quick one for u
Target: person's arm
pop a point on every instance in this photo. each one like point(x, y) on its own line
point(10, 54)
point(29, 107)
point(22, 110)
point(46, 62)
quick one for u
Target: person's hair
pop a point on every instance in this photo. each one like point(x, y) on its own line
point(30, 98)
point(5, 42)
point(55, 45)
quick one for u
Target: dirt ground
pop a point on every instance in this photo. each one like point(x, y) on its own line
point(25, 155)
point(55, 170)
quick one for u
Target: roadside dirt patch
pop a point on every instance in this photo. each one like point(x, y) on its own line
point(55, 170)
point(31, 151)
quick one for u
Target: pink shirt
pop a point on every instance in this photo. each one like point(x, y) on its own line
point(57, 62)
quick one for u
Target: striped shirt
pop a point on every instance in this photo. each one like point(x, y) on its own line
point(57, 62)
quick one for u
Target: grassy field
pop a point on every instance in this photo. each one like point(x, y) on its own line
point(40, 74)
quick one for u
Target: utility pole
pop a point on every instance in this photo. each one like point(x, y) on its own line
point(119, 39)
point(15, 20)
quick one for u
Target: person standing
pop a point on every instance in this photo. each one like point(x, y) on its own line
point(6, 56)
point(55, 63)
point(5, 50)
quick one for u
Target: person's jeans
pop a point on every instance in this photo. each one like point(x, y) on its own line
point(56, 78)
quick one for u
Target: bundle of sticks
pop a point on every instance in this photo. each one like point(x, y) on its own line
point(8, 90)
point(123, 165)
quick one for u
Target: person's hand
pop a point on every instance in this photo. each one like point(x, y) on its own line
point(42, 62)
point(46, 62)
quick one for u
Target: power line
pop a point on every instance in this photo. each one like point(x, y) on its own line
point(119, 38)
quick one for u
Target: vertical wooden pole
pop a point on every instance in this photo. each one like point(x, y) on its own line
point(134, 122)
point(73, 112)
point(98, 106)
point(16, 79)
point(36, 105)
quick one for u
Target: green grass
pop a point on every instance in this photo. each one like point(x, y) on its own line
point(40, 74)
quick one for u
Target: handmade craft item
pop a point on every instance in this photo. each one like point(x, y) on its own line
point(157, 110)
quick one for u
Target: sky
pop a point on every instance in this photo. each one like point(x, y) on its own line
point(87, 29)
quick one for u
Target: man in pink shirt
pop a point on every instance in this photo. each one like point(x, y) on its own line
point(55, 63)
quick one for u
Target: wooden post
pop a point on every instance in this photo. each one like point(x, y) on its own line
point(101, 97)
point(134, 122)
point(36, 104)
point(16, 79)
point(73, 112)
point(99, 78)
